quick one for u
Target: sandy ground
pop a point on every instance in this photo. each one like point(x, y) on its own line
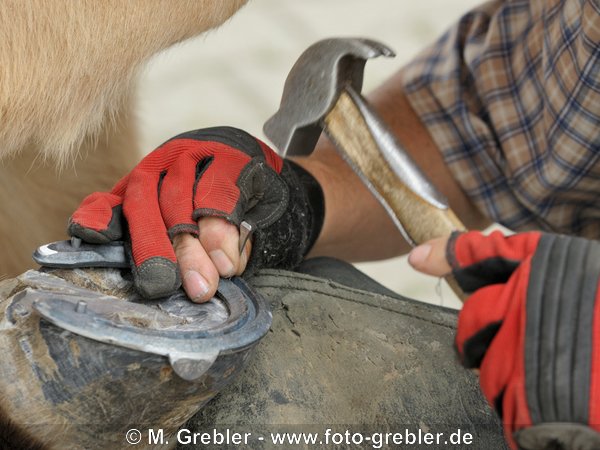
point(234, 76)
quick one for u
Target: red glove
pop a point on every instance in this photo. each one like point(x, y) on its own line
point(222, 172)
point(532, 327)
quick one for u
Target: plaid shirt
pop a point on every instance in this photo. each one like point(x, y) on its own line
point(511, 96)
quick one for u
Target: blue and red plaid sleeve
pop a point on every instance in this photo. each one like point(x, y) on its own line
point(511, 96)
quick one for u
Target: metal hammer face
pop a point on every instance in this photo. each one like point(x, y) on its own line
point(312, 88)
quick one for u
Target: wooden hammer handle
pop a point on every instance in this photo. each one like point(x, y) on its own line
point(420, 219)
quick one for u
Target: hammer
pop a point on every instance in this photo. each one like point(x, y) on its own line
point(321, 93)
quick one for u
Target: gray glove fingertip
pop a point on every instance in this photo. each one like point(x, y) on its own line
point(113, 232)
point(156, 277)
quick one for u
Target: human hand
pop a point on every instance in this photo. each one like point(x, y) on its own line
point(183, 204)
point(531, 327)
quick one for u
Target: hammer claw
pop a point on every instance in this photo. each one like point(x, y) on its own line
point(323, 69)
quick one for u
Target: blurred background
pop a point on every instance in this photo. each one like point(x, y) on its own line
point(234, 76)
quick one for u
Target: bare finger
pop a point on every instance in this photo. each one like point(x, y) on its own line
point(198, 272)
point(221, 240)
point(430, 257)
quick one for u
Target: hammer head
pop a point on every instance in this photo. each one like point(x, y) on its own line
point(312, 88)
